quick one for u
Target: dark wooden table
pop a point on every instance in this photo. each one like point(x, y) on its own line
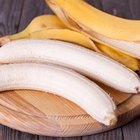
point(15, 15)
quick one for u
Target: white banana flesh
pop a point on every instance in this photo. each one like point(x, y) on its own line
point(87, 62)
point(63, 82)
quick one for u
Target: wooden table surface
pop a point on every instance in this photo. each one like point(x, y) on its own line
point(15, 15)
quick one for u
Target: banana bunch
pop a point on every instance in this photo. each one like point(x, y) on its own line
point(49, 26)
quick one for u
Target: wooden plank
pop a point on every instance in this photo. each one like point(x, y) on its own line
point(134, 6)
point(30, 10)
point(9, 16)
point(11, 134)
point(131, 131)
point(54, 138)
point(115, 134)
point(95, 3)
point(117, 7)
point(127, 8)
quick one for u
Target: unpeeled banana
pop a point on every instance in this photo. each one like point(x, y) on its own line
point(90, 20)
point(85, 61)
point(38, 24)
point(49, 26)
point(114, 32)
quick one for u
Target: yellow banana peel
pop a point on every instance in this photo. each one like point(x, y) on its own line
point(90, 20)
point(65, 35)
point(114, 32)
point(50, 27)
point(37, 24)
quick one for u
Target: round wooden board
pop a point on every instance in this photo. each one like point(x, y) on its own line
point(47, 114)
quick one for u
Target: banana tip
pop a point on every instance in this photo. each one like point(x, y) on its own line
point(110, 119)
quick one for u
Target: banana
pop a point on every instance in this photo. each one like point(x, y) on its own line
point(49, 26)
point(85, 61)
point(114, 32)
point(62, 82)
point(65, 35)
point(91, 20)
point(127, 60)
point(37, 24)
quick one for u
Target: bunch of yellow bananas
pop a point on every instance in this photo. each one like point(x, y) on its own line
point(115, 37)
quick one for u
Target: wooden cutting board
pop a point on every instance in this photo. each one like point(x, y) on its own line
point(47, 114)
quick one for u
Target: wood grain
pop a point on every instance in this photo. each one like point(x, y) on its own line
point(131, 130)
point(9, 16)
point(110, 135)
point(28, 13)
point(10, 134)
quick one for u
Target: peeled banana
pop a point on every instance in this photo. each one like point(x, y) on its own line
point(49, 26)
point(85, 61)
point(63, 82)
point(103, 28)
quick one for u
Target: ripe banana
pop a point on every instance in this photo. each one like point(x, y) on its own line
point(85, 61)
point(65, 35)
point(91, 20)
point(49, 26)
point(103, 28)
point(37, 24)
point(63, 82)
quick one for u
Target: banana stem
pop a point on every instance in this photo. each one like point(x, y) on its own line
point(8, 38)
